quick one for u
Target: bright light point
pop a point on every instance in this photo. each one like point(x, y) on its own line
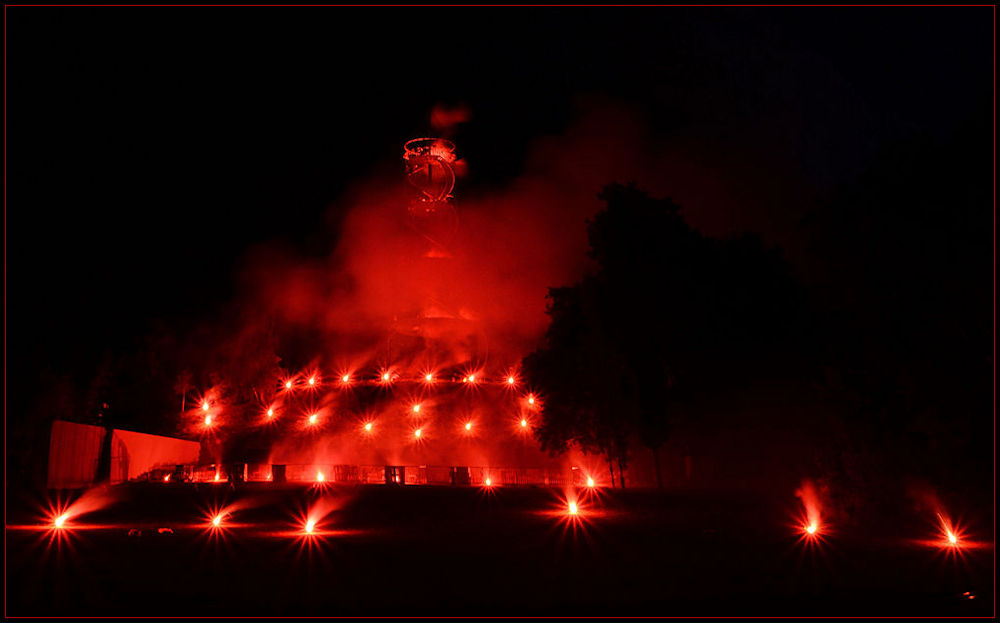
point(204, 406)
point(590, 481)
point(386, 377)
point(312, 380)
point(416, 408)
point(320, 477)
point(312, 418)
point(310, 526)
point(417, 433)
point(216, 477)
point(811, 528)
point(572, 508)
point(59, 521)
point(472, 378)
point(166, 478)
point(468, 426)
point(217, 521)
point(524, 423)
point(952, 538)
point(531, 400)
point(270, 413)
point(346, 378)
point(489, 482)
point(510, 380)
point(368, 426)
point(208, 420)
point(429, 378)
point(288, 384)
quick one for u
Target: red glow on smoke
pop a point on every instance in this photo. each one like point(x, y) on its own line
point(808, 524)
point(447, 329)
point(952, 536)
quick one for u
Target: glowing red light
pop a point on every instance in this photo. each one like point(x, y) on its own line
point(346, 378)
point(468, 426)
point(590, 481)
point(288, 384)
point(417, 433)
point(524, 423)
point(429, 378)
point(531, 399)
point(489, 482)
point(313, 418)
point(270, 412)
point(472, 378)
point(416, 408)
point(320, 477)
point(952, 535)
point(208, 420)
point(811, 528)
point(204, 405)
point(166, 478)
point(572, 508)
point(310, 526)
point(216, 476)
point(217, 521)
point(59, 521)
point(511, 380)
point(312, 380)
point(368, 427)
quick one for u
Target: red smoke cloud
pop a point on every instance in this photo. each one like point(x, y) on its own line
point(387, 296)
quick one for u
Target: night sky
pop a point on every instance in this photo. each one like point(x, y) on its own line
point(149, 149)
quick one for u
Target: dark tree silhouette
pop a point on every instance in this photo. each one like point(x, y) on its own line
point(668, 313)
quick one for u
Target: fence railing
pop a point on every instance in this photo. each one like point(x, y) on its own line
point(385, 474)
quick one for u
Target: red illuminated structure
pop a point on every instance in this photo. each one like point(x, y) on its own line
point(445, 410)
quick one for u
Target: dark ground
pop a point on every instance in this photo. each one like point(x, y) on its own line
point(458, 551)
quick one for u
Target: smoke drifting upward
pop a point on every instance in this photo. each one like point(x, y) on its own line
point(811, 506)
point(487, 299)
point(448, 294)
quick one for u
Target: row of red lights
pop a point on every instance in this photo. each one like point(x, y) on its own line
point(313, 419)
point(59, 522)
point(812, 531)
point(387, 376)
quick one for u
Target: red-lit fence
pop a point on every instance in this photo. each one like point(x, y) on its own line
point(381, 474)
